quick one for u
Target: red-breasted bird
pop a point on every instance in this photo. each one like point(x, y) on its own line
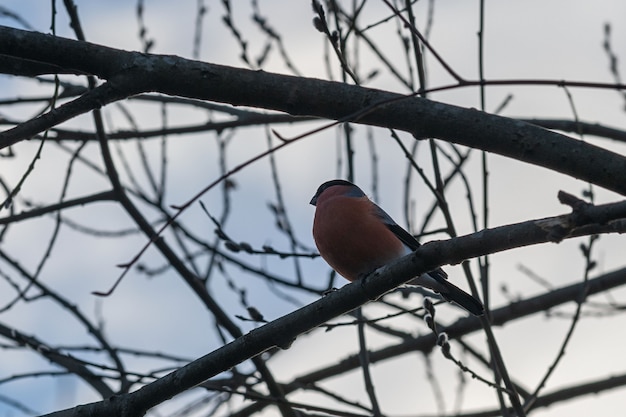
point(356, 237)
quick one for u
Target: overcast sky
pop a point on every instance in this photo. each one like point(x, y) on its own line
point(523, 40)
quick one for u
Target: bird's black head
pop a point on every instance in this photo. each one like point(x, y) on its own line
point(354, 190)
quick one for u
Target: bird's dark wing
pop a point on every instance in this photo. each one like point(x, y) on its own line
point(406, 238)
point(402, 234)
point(437, 278)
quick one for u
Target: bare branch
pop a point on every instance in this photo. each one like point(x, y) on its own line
point(282, 332)
point(305, 96)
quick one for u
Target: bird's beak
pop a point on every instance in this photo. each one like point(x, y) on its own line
point(313, 200)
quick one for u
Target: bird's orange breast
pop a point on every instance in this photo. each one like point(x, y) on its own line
point(351, 238)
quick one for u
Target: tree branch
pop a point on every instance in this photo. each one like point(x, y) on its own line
point(578, 127)
point(132, 72)
point(72, 365)
point(54, 208)
point(456, 330)
point(283, 331)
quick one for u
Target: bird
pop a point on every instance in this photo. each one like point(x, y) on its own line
point(355, 237)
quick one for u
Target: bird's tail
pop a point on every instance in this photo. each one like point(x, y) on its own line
point(436, 281)
point(465, 300)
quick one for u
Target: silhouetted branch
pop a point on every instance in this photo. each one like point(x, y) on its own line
point(282, 332)
point(130, 73)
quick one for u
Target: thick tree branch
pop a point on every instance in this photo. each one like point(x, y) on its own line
point(130, 73)
point(283, 331)
point(29, 68)
point(458, 329)
point(579, 127)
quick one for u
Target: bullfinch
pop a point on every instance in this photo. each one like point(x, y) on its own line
point(356, 237)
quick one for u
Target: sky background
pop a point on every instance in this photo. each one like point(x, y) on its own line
point(559, 40)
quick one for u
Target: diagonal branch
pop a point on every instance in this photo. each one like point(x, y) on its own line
point(131, 73)
point(458, 329)
point(283, 331)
